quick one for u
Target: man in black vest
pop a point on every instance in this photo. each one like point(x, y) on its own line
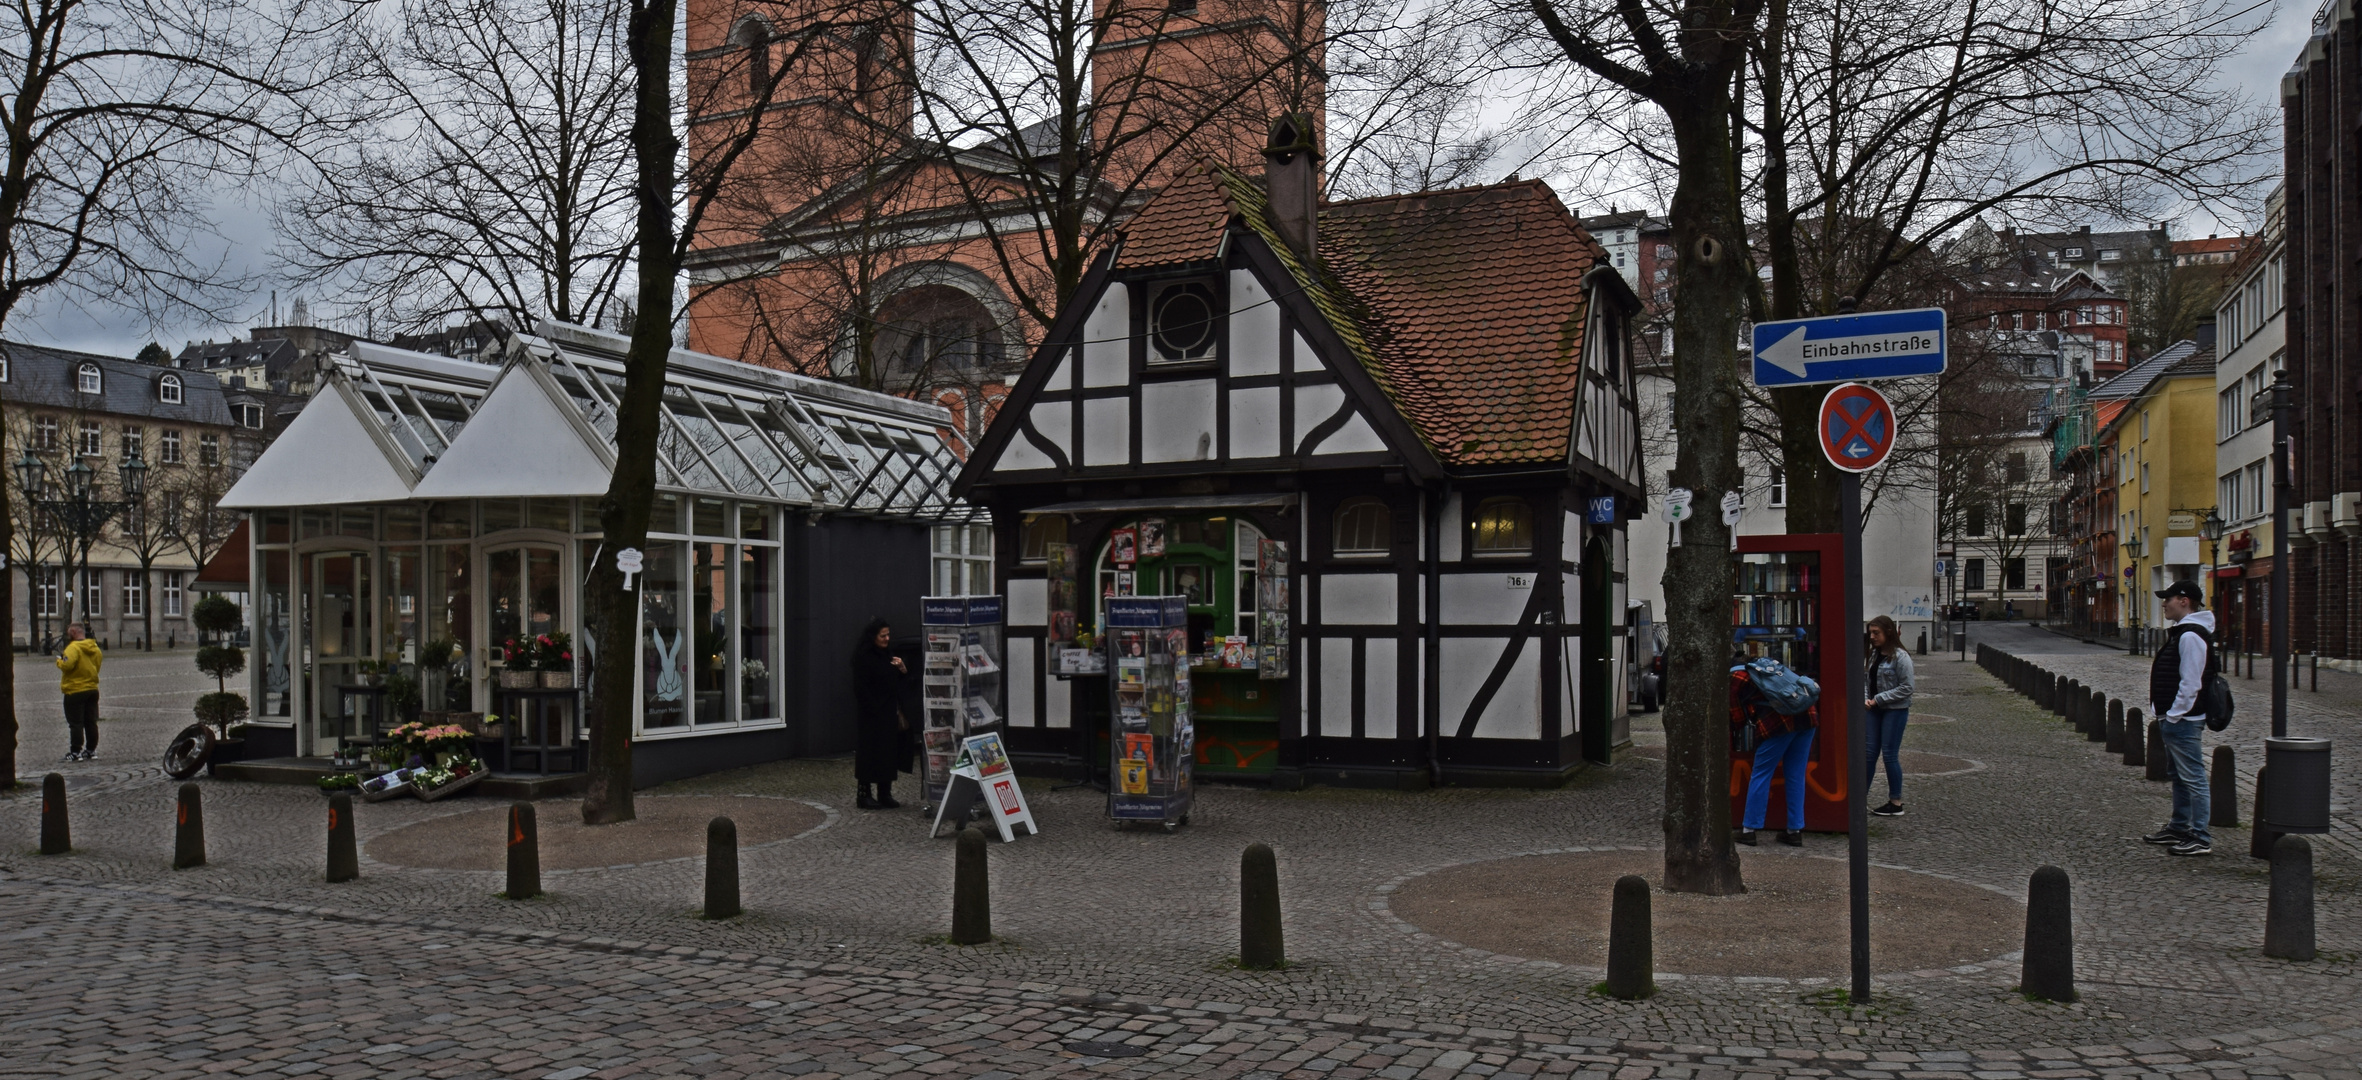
point(2183, 662)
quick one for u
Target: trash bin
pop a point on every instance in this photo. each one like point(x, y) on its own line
point(2296, 790)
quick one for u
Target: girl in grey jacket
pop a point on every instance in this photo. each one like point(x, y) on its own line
point(1889, 705)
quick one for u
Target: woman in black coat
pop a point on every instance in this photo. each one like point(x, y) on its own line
point(881, 730)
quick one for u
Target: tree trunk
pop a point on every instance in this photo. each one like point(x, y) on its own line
point(623, 513)
point(8, 727)
point(1714, 277)
point(1812, 481)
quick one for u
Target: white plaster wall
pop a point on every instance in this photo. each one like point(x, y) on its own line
point(1336, 687)
point(1254, 326)
point(1516, 709)
point(1357, 599)
point(1254, 422)
point(1378, 720)
point(1029, 602)
point(1177, 421)
point(1024, 659)
point(1483, 598)
point(1107, 432)
point(1314, 404)
point(1107, 340)
point(1356, 437)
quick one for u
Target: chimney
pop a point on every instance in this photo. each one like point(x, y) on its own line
point(1292, 179)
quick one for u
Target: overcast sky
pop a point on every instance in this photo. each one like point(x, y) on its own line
point(243, 234)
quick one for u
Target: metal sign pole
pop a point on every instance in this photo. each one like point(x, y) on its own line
point(1857, 813)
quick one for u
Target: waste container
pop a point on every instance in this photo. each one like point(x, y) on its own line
point(2296, 788)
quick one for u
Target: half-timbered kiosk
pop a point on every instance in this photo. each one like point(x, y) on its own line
point(424, 512)
point(1426, 397)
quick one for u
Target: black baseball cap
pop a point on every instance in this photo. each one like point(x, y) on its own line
point(2186, 589)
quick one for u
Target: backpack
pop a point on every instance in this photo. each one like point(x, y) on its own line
point(2214, 691)
point(1788, 693)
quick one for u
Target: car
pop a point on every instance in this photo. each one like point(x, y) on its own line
point(1966, 610)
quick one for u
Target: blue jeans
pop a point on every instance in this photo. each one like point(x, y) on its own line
point(1885, 740)
point(1789, 750)
point(2191, 801)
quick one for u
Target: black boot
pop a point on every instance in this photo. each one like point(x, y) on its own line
point(886, 797)
point(862, 799)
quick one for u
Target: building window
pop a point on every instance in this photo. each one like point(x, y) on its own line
point(1181, 323)
point(135, 595)
point(45, 591)
point(2144, 425)
point(2015, 468)
point(168, 390)
point(2013, 573)
point(1777, 496)
point(962, 560)
point(1365, 527)
point(209, 449)
point(1503, 525)
point(1972, 574)
point(2259, 493)
point(2230, 413)
point(172, 593)
point(88, 380)
point(2013, 519)
point(2144, 477)
point(3, 367)
point(250, 416)
point(2226, 494)
point(134, 443)
point(93, 597)
point(2074, 253)
point(45, 433)
point(1976, 521)
point(168, 447)
point(88, 444)
point(1037, 533)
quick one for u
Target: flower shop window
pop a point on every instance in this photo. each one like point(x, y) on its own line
point(1502, 526)
point(1364, 529)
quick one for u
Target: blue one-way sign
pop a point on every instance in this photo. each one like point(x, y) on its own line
point(1847, 348)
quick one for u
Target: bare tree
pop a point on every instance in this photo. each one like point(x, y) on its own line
point(122, 118)
point(187, 511)
point(493, 179)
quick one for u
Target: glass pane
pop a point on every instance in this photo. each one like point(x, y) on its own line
point(665, 649)
point(450, 521)
point(361, 523)
point(451, 629)
point(754, 521)
point(311, 523)
point(665, 516)
point(979, 539)
point(501, 514)
point(758, 636)
point(713, 517)
point(336, 626)
point(272, 622)
point(401, 613)
point(541, 592)
point(402, 523)
point(556, 515)
point(503, 571)
point(712, 605)
point(274, 527)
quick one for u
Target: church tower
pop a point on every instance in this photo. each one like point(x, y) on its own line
point(1174, 81)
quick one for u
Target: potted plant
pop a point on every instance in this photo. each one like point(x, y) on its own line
point(216, 617)
point(335, 782)
point(520, 665)
point(556, 652)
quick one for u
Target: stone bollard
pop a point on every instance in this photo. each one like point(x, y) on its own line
point(2068, 689)
point(721, 869)
point(2288, 915)
point(971, 893)
point(1260, 945)
point(2223, 789)
point(56, 837)
point(2079, 713)
point(188, 830)
point(1631, 950)
point(2160, 760)
point(524, 853)
point(344, 855)
point(2260, 839)
point(2136, 751)
point(2095, 719)
point(2048, 968)
point(2116, 727)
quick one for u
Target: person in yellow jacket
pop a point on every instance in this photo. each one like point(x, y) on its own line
point(79, 665)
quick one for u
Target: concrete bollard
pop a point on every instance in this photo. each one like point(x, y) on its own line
point(2048, 968)
point(1260, 945)
point(2288, 915)
point(1631, 949)
point(344, 855)
point(971, 892)
point(2069, 692)
point(188, 829)
point(2223, 789)
point(2095, 718)
point(2160, 759)
point(721, 869)
point(56, 837)
point(2260, 839)
point(2136, 752)
point(524, 853)
point(2116, 727)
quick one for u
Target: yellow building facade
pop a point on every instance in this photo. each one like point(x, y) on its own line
point(2164, 441)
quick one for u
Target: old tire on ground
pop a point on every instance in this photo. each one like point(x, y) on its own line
point(188, 752)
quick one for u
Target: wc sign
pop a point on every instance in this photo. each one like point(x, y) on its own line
point(1601, 510)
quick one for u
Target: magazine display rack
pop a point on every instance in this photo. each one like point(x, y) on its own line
point(1152, 739)
point(962, 682)
point(1786, 593)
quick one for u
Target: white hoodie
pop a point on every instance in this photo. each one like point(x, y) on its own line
point(2193, 666)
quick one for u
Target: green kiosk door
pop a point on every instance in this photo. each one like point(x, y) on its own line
point(1210, 560)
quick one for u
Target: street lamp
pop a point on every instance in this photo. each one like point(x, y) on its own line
point(2212, 530)
point(2132, 548)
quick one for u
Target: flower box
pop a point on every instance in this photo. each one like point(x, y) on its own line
point(519, 680)
point(453, 786)
point(385, 786)
point(557, 680)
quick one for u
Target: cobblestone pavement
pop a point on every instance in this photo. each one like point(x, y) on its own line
point(144, 698)
point(2333, 712)
point(118, 966)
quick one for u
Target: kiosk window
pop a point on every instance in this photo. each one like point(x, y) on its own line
point(1502, 526)
point(1364, 528)
point(1038, 534)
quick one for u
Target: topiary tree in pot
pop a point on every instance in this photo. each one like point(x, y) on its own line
point(216, 617)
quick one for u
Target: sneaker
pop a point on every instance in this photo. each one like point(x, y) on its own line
point(1746, 836)
point(2191, 847)
point(1792, 839)
point(2167, 837)
point(89, 755)
point(71, 757)
point(864, 802)
point(1892, 809)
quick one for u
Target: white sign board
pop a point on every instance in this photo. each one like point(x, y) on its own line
point(982, 775)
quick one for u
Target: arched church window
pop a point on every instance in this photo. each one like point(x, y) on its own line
point(934, 335)
point(754, 35)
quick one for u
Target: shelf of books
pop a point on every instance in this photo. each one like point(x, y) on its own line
point(1787, 603)
point(961, 684)
point(1152, 734)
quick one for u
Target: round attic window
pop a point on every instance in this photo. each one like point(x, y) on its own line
point(1181, 322)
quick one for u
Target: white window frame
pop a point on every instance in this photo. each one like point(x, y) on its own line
point(135, 595)
point(173, 594)
point(168, 390)
point(168, 446)
point(89, 379)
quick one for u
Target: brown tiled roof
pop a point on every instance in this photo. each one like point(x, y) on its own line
point(1466, 307)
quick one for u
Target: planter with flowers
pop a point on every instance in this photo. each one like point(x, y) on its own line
point(386, 785)
point(554, 653)
point(442, 758)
